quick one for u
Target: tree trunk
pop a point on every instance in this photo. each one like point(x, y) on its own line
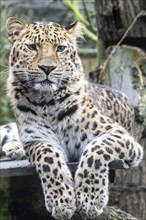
point(113, 18)
point(125, 70)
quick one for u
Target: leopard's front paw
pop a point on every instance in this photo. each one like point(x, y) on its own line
point(89, 212)
point(14, 150)
point(90, 206)
point(62, 207)
point(64, 211)
point(91, 192)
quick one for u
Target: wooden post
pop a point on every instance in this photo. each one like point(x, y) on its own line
point(114, 18)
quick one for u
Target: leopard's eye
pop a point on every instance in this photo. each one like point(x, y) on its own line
point(61, 48)
point(31, 46)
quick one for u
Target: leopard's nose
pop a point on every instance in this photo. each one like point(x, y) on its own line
point(47, 69)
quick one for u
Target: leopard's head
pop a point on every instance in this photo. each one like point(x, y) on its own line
point(44, 55)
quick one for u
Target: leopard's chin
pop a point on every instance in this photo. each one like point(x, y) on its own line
point(45, 86)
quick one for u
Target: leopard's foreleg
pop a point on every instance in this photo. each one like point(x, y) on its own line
point(91, 179)
point(55, 178)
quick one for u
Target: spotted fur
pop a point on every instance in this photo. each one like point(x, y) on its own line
point(61, 118)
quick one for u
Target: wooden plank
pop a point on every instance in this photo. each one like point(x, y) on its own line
point(22, 168)
point(9, 168)
point(16, 168)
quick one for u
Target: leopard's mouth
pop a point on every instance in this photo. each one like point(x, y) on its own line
point(46, 81)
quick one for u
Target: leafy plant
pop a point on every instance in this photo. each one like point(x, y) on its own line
point(84, 11)
point(5, 113)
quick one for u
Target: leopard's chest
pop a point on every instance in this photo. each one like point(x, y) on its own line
point(75, 125)
point(74, 134)
point(73, 140)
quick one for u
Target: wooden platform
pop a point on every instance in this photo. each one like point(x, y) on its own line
point(26, 200)
point(10, 168)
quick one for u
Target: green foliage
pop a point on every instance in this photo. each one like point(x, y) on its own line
point(4, 191)
point(5, 114)
point(85, 17)
point(84, 11)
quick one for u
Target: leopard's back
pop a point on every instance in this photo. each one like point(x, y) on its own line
point(114, 104)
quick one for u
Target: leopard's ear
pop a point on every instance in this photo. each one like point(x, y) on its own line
point(14, 26)
point(75, 30)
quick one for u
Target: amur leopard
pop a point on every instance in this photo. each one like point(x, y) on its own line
point(62, 118)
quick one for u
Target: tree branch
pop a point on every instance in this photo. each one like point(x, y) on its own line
point(85, 24)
